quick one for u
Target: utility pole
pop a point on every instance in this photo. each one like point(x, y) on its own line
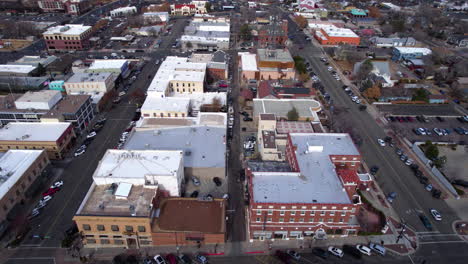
point(403, 229)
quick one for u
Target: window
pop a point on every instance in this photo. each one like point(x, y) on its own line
point(294, 207)
point(259, 212)
point(330, 220)
point(270, 212)
point(118, 242)
point(312, 213)
point(91, 241)
point(301, 220)
point(117, 236)
point(105, 241)
point(89, 236)
point(257, 219)
point(302, 212)
point(141, 229)
point(129, 228)
point(269, 219)
point(293, 212)
point(311, 220)
point(343, 213)
point(320, 220)
point(341, 220)
point(281, 220)
point(103, 236)
point(281, 212)
point(322, 213)
point(291, 220)
point(100, 227)
point(86, 227)
point(145, 242)
point(115, 228)
point(332, 213)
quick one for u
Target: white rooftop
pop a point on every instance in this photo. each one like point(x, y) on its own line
point(172, 104)
point(80, 77)
point(406, 50)
point(44, 99)
point(13, 164)
point(339, 32)
point(69, 29)
point(316, 181)
point(176, 69)
point(199, 99)
point(249, 61)
point(13, 68)
point(107, 64)
point(26, 131)
point(133, 166)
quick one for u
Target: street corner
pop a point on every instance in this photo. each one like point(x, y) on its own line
point(400, 249)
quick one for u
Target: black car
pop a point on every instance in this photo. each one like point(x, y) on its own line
point(88, 141)
point(414, 167)
point(440, 119)
point(353, 251)
point(460, 182)
point(427, 224)
point(418, 173)
point(374, 170)
point(217, 181)
point(244, 114)
point(436, 193)
point(184, 259)
point(319, 252)
point(248, 119)
point(283, 256)
point(194, 194)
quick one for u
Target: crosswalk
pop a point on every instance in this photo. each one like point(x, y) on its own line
point(435, 237)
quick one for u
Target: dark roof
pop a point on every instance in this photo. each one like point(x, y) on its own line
point(267, 117)
point(276, 88)
point(219, 56)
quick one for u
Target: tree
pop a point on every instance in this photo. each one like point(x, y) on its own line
point(421, 95)
point(301, 21)
point(40, 70)
point(364, 69)
point(299, 64)
point(304, 77)
point(245, 32)
point(293, 115)
point(189, 45)
point(373, 92)
point(374, 12)
point(208, 7)
point(432, 151)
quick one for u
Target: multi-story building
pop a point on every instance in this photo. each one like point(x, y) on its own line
point(123, 11)
point(194, 7)
point(72, 7)
point(19, 171)
point(408, 53)
point(178, 75)
point(393, 42)
point(156, 17)
point(68, 37)
point(311, 195)
point(336, 36)
point(165, 107)
point(206, 35)
point(97, 82)
point(55, 138)
point(47, 105)
point(274, 64)
point(118, 67)
point(279, 89)
point(216, 64)
point(307, 109)
point(16, 70)
point(273, 35)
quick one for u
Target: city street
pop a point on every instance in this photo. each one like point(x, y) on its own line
point(394, 176)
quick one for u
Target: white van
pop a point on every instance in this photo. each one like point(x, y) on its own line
point(377, 248)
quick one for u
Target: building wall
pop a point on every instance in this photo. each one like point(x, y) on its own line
point(110, 231)
point(186, 86)
point(54, 149)
point(162, 113)
point(217, 74)
point(68, 42)
point(17, 193)
point(337, 40)
point(276, 75)
point(186, 238)
point(205, 173)
point(249, 75)
point(90, 87)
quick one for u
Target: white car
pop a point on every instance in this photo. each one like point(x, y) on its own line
point(336, 251)
point(79, 152)
point(330, 68)
point(409, 162)
point(159, 259)
point(437, 216)
point(438, 131)
point(422, 131)
point(57, 184)
point(195, 181)
point(354, 98)
point(46, 198)
point(91, 135)
point(294, 254)
point(358, 101)
point(381, 142)
point(364, 250)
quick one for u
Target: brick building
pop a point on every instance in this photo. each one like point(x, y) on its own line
point(68, 37)
point(335, 36)
point(273, 35)
point(279, 89)
point(312, 194)
point(72, 7)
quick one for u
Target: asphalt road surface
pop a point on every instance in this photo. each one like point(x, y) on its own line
point(394, 176)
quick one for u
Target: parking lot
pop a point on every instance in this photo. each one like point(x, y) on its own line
point(405, 128)
point(414, 110)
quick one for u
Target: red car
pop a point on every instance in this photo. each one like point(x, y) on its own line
point(171, 259)
point(50, 191)
point(223, 85)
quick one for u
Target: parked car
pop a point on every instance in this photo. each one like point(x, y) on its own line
point(51, 191)
point(374, 170)
point(436, 215)
point(284, 257)
point(34, 214)
point(91, 134)
point(185, 259)
point(80, 151)
point(57, 184)
point(381, 142)
point(364, 249)
point(319, 252)
point(391, 197)
point(248, 119)
point(202, 259)
point(195, 181)
point(377, 248)
point(294, 254)
point(194, 194)
point(171, 258)
point(336, 251)
point(427, 224)
point(159, 260)
point(352, 251)
point(217, 181)
point(46, 198)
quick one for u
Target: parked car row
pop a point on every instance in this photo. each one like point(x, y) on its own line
point(124, 135)
point(46, 197)
point(172, 259)
point(353, 97)
point(436, 193)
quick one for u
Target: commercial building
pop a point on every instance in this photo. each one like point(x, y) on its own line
point(16, 70)
point(72, 7)
point(274, 64)
point(336, 36)
point(283, 89)
point(97, 82)
point(206, 35)
point(156, 17)
point(123, 11)
point(68, 37)
point(178, 75)
point(311, 195)
point(204, 102)
point(165, 107)
point(54, 138)
point(19, 170)
point(393, 42)
point(407, 53)
point(192, 8)
point(35, 60)
point(47, 105)
point(273, 35)
point(248, 63)
point(306, 108)
point(216, 64)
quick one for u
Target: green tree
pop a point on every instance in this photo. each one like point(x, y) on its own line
point(245, 32)
point(421, 95)
point(299, 64)
point(189, 45)
point(364, 69)
point(432, 151)
point(293, 115)
point(208, 7)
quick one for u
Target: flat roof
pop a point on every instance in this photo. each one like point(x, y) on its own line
point(282, 55)
point(68, 29)
point(173, 104)
point(199, 99)
point(102, 200)
point(107, 64)
point(281, 107)
point(339, 32)
point(89, 77)
point(191, 215)
point(199, 152)
point(267, 117)
point(32, 131)
point(118, 164)
point(317, 181)
point(249, 61)
point(176, 69)
point(285, 127)
point(15, 68)
point(14, 163)
point(43, 96)
point(406, 50)
point(269, 139)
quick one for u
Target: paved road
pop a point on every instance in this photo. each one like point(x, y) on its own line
point(393, 175)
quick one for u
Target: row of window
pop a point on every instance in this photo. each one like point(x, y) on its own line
point(162, 115)
point(300, 220)
point(114, 228)
point(293, 213)
point(115, 241)
point(314, 207)
point(26, 147)
point(183, 85)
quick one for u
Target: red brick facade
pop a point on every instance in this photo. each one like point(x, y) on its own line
point(217, 74)
point(185, 238)
point(273, 35)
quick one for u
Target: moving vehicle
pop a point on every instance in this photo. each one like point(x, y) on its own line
point(437, 216)
point(391, 197)
point(336, 251)
point(427, 224)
